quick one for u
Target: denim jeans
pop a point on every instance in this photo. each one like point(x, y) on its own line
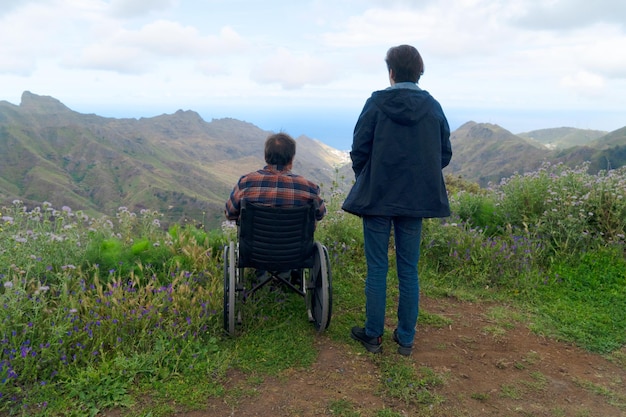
point(407, 235)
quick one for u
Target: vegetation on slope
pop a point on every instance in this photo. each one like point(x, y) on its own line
point(98, 312)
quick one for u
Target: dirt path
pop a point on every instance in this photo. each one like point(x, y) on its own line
point(491, 364)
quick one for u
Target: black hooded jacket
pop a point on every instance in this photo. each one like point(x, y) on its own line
point(401, 144)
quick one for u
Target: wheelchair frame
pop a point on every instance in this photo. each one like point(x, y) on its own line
point(277, 239)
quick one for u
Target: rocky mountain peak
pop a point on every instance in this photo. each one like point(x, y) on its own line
point(41, 104)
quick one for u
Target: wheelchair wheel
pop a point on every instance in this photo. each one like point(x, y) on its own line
point(319, 290)
point(229, 288)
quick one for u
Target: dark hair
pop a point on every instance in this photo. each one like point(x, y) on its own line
point(406, 63)
point(280, 148)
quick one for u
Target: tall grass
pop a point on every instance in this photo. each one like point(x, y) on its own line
point(96, 311)
point(86, 294)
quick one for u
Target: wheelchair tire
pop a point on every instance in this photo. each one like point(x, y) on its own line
point(229, 288)
point(319, 290)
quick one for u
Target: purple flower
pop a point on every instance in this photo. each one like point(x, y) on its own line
point(24, 351)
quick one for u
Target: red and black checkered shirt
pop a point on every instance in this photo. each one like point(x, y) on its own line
point(276, 188)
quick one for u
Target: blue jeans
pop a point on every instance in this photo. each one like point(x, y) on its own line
point(407, 235)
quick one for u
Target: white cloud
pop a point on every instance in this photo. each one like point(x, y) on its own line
point(9, 6)
point(136, 51)
point(570, 14)
point(478, 53)
point(604, 53)
point(468, 27)
point(292, 70)
point(584, 83)
point(25, 35)
point(117, 58)
point(171, 39)
point(134, 8)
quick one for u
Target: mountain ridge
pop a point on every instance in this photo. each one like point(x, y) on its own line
point(185, 167)
point(176, 163)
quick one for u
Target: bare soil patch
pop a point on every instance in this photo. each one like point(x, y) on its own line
point(490, 366)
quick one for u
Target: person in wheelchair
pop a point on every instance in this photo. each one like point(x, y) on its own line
point(276, 186)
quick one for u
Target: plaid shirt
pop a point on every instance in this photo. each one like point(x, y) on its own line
point(274, 187)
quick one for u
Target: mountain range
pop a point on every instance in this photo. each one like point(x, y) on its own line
point(485, 153)
point(185, 167)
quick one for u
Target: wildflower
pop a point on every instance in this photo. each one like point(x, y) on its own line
point(42, 288)
point(8, 285)
point(24, 351)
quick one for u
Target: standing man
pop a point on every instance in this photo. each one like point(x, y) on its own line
point(401, 144)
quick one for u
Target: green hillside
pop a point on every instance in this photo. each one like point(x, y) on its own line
point(177, 164)
point(486, 153)
point(185, 167)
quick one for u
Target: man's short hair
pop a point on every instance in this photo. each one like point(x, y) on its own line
point(280, 148)
point(406, 63)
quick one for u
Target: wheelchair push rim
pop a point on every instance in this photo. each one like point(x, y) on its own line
point(229, 288)
point(319, 290)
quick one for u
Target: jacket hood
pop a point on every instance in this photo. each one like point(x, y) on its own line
point(403, 105)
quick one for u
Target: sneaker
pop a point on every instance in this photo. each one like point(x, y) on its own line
point(372, 344)
point(404, 350)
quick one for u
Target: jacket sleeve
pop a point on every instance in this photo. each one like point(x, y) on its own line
point(363, 137)
point(444, 129)
point(446, 146)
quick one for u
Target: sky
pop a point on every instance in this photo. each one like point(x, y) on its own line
point(307, 66)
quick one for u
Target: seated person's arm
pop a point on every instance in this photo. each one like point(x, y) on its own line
point(320, 207)
point(233, 204)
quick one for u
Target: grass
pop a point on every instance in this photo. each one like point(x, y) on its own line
point(117, 312)
point(612, 397)
point(343, 408)
point(401, 381)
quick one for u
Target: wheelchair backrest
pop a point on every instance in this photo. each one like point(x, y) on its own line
point(276, 238)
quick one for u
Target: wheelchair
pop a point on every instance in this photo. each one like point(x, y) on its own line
point(277, 240)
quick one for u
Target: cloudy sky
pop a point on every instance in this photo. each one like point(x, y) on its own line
point(307, 66)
